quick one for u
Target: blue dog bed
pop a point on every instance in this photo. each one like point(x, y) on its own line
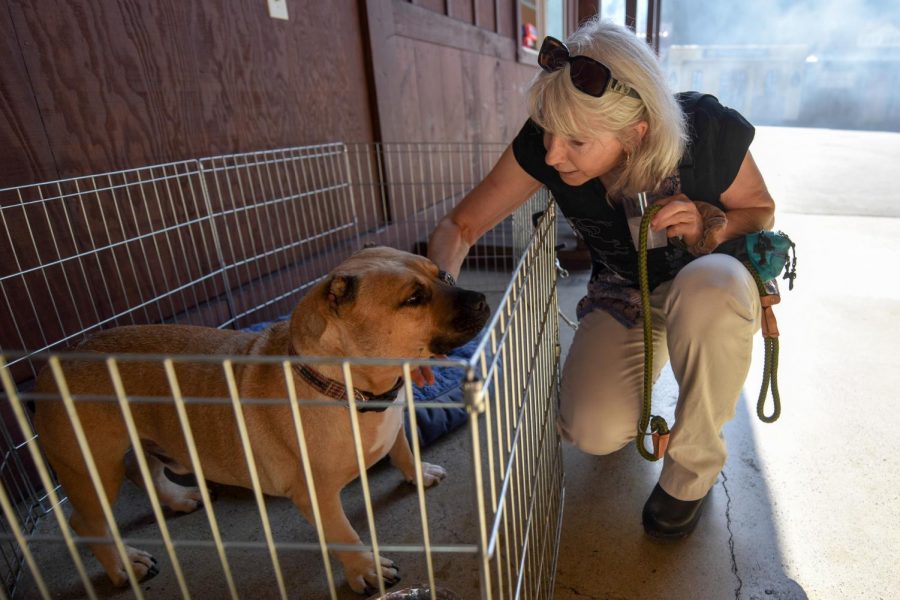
point(433, 422)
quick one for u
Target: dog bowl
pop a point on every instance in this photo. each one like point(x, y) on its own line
point(416, 592)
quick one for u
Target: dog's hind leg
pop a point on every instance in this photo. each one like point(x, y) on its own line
point(359, 567)
point(87, 513)
point(176, 497)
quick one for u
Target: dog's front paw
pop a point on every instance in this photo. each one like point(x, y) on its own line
point(142, 563)
point(363, 576)
point(432, 474)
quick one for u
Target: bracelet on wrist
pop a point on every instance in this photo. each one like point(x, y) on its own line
point(714, 221)
point(447, 278)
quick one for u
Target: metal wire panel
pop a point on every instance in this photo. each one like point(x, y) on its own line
point(515, 431)
point(120, 248)
point(282, 220)
point(234, 240)
point(405, 189)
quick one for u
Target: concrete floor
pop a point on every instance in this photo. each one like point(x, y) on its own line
point(808, 507)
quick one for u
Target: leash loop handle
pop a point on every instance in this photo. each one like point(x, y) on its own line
point(770, 363)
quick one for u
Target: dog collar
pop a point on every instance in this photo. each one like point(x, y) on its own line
point(338, 391)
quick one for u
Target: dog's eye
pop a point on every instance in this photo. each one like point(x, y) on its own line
point(418, 297)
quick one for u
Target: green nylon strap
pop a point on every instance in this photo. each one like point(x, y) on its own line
point(656, 423)
point(770, 372)
point(770, 366)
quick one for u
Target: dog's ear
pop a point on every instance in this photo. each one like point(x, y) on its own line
point(341, 290)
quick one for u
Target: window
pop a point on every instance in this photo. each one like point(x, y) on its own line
point(613, 10)
point(539, 18)
point(804, 63)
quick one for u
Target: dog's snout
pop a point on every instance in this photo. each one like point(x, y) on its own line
point(475, 301)
point(470, 311)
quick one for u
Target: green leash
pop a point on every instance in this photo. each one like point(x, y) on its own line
point(659, 428)
point(770, 363)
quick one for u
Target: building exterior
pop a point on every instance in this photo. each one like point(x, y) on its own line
point(90, 87)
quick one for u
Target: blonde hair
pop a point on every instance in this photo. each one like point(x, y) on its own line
point(560, 108)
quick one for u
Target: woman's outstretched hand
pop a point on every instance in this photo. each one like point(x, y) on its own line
point(423, 375)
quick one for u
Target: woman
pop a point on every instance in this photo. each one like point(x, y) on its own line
point(604, 125)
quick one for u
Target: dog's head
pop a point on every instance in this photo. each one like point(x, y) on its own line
point(384, 302)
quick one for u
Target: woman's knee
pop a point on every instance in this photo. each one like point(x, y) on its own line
point(714, 289)
point(596, 441)
point(600, 388)
point(596, 427)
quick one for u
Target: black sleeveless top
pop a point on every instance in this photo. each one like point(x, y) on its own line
point(718, 141)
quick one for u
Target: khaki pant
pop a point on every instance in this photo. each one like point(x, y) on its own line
point(704, 321)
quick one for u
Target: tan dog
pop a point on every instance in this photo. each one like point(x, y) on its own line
point(380, 302)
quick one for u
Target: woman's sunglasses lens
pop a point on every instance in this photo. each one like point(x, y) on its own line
point(553, 55)
point(589, 76)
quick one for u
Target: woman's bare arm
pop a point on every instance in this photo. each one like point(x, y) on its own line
point(503, 190)
point(748, 205)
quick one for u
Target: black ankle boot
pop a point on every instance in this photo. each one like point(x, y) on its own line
point(670, 518)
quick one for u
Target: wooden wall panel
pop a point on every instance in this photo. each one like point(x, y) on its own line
point(513, 111)
point(485, 14)
point(474, 98)
point(431, 106)
point(438, 6)
point(455, 106)
point(492, 15)
point(24, 153)
point(461, 10)
point(492, 98)
point(473, 72)
point(116, 85)
point(408, 21)
point(130, 83)
point(506, 18)
point(408, 127)
point(103, 87)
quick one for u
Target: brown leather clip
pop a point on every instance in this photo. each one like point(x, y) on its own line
point(769, 300)
point(660, 443)
point(769, 323)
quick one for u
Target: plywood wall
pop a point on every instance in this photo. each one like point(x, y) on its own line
point(92, 86)
point(447, 71)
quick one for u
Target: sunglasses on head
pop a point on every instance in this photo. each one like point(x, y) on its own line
point(588, 75)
